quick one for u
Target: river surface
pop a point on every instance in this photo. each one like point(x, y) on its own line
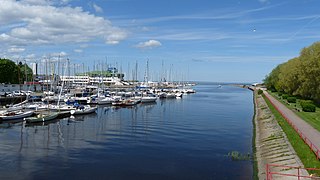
point(186, 138)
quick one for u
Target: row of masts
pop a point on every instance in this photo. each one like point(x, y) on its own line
point(64, 67)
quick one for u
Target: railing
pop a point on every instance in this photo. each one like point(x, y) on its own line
point(299, 174)
point(312, 146)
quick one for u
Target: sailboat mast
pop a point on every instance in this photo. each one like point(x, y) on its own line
point(146, 74)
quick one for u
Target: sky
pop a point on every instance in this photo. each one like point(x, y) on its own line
point(195, 40)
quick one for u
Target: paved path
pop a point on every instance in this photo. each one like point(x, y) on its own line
point(310, 135)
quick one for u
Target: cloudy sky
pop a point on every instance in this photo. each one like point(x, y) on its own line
point(207, 40)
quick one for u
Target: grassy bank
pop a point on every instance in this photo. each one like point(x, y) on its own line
point(313, 118)
point(305, 154)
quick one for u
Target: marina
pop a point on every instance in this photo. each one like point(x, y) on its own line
point(159, 90)
point(164, 139)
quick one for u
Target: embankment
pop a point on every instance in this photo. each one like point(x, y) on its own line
point(271, 143)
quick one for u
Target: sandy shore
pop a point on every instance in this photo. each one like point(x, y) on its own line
point(272, 146)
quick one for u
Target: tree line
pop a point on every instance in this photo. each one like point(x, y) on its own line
point(299, 76)
point(12, 73)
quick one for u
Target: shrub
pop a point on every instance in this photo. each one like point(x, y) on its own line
point(260, 91)
point(308, 106)
point(303, 102)
point(280, 94)
point(285, 96)
point(292, 99)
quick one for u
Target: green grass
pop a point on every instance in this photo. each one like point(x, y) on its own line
point(305, 154)
point(313, 118)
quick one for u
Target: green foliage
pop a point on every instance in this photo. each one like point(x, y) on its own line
point(299, 76)
point(25, 71)
point(271, 81)
point(12, 73)
point(292, 99)
point(285, 96)
point(307, 106)
point(9, 72)
point(260, 91)
point(237, 156)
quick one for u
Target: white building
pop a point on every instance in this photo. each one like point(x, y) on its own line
point(87, 80)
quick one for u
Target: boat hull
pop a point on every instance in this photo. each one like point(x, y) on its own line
point(17, 116)
point(83, 111)
point(42, 118)
point(148, 99)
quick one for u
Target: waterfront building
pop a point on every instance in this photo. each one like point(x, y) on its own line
point(89, 80)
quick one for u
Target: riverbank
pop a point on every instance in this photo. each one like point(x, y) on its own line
point(271, 143)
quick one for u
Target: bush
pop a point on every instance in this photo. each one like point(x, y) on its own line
point(260, 91)
point(285, 96)
point(279, 94)
point(292, 99)
point(308, 106)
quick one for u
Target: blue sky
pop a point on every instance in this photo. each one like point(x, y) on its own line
point(206, 40)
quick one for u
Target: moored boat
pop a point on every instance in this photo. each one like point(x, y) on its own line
point(148, 99)
point(42, 117)
point(106, 100)
point(61, 107)
point(178, 94)
point(15, 115)
point(83, 110)
point(170, 95)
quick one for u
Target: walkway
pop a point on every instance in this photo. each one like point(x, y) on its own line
point(310, 135)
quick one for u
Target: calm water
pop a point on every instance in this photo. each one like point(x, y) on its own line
point(186, 138)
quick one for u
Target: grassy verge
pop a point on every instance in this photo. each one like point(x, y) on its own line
point(313, 118)
point(255, 163)
point(305, 154)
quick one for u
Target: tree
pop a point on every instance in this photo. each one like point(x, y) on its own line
point(9, 71)
point(25, 71)
point(12, 73)
point(299, 76)
point(272, 80)
point(289, 81)
point(310, 78)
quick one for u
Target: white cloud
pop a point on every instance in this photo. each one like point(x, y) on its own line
point(115, 37)
point(58, 54)
point(148, 44)
point(84, 45)
point(241, 59)
point(30, 56)
point(97, 8)
point(16, 50)
point(78, 50)
point(46, 24)
point(145, 29)
point(45, 2)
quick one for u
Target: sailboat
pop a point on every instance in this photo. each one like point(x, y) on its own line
point(42, 117)
point(83, 110)
point(15, 115)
